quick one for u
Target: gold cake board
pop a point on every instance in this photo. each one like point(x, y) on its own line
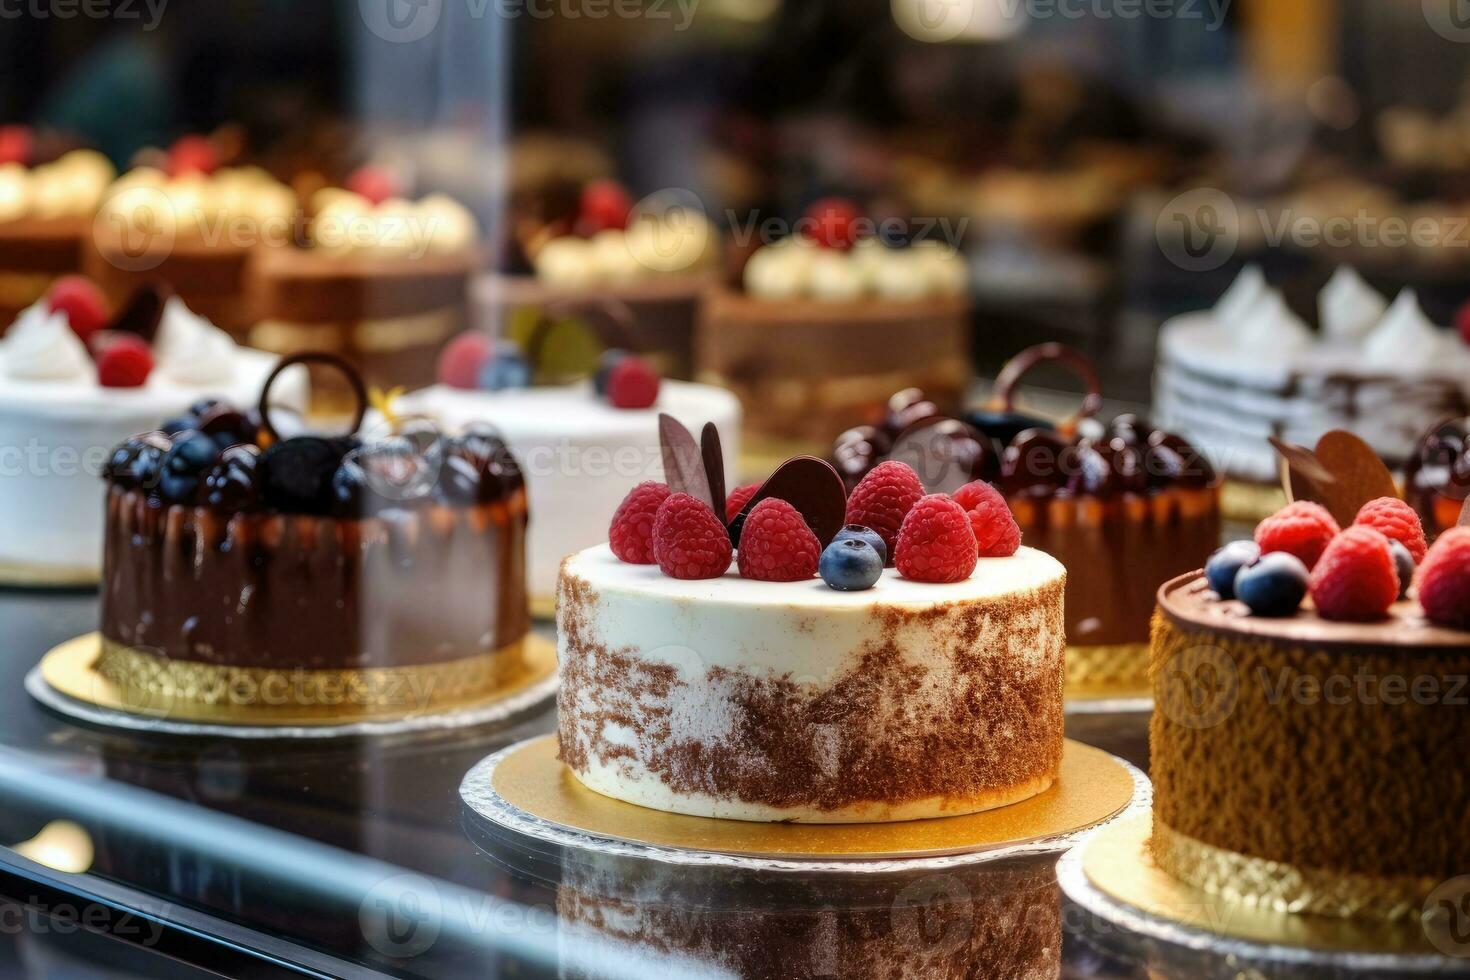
point(69, 670)
point(1116, 861)
point(1092, 788)
point(28, 576)
point(1116, 672)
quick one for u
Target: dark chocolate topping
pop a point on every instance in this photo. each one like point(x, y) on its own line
point(714, 466)
point(684, 461)
point(810, 485)
point(143, 311)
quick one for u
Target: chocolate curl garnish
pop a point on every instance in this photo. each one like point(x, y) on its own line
point(1465, 514)
point(143, 311)
point(344, 367)
point(1303, 477)
point(1004, 397)
point(1342, 474)
point(713, 457)
point(684, 467)
point(810, 485)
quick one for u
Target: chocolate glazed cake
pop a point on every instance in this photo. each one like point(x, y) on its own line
point(300, 574)
point(1123, 506)
point(1326, 774)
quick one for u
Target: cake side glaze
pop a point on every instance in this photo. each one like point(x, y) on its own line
point(789, 701)
point(1323, 756)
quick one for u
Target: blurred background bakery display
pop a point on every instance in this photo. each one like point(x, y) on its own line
point(815, 203)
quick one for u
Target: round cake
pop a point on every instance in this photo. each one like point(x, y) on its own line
point(1308, 765)
point(58, 420)
point(759, 700)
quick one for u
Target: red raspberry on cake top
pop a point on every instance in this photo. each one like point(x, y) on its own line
point(882, 500)
point(632, 383)
point(1356, 578)
point(461, 359)
point(1444, 579)
point(737, 500)
point(776, 545)
point(997, 535)
point(1302, 528)
point(631, 533)
point(82, 302)
point(1397, 521)
point(936, 542)
point(689, 541)
point(125, 363)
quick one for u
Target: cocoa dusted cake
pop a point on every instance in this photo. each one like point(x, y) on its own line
point(377, 578)
point(1122, 505)
point(807, 683)
point(1309, 741)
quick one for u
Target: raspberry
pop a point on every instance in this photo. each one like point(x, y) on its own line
point(882, 499)
point(996, 533)
point(462, 358)
point(605, 204)
point(1397, 521)
point(737, 500)
point(833, 222)
point(631, 533)
point(632, 384)
point(1303, 529)
point(1355, 579)
point(936, 543)
point(80, 299)
point(373, 182)
point(191, 154)
point(689, 541)
point(776, 545)
point(1444, 579)
point(126, 363)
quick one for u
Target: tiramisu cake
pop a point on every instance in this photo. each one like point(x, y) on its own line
point(750, 688)
point(1124, 506)
point(1310, 733)
point(301, 577)
point(75, 380)
point(1230, 377)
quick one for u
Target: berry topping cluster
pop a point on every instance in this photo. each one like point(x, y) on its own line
point(224, 458)
point(474, 360)
point(787, 528)
point(1352, 574)
point(123, 358)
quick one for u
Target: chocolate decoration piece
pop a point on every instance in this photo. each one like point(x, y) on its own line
point(810, 485)
point(714, 466)
point(1004, 397)
point(683, 461)
point(143, 311)
point(1303, 477)
point(354, 381)
point(1342, 474)
point(1465, 515)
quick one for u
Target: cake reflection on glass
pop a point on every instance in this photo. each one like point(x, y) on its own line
point(1122, 505)
point(75, 379)
point(341, 575)
point(763, 665)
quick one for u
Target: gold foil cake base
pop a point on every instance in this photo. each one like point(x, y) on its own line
point(28, 576)
point(1117, 862)
point(129, 682)
point(1107, 672)
point(529, 780)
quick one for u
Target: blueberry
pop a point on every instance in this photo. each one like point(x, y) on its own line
point(204, 406)
point(505, 369)
point(234, 483)
point(349, 490)
point(850, 565)
point(136, 463)
point(1403, 562)
point(481, 445)
point(296, 474)
point(859, 533)
point(1273, 586)
point(227, 427)
point(1223, 565)
point(177, 424)
point(605, 364)
point(184, 465)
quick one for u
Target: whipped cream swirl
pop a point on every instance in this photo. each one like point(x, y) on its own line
point(1349, 308)
point(1406, 339)
point(42, 347)
point(190, 349)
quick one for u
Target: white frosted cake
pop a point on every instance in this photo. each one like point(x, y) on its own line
point(580, 454)
point(792, 701)
point(58, 424)
point(1229, 377)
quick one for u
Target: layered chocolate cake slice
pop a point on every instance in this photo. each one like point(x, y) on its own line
point(293, 574)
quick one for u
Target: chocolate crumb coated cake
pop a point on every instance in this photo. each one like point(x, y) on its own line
point(759, 700)
point(326, 569)
point(1308, 765)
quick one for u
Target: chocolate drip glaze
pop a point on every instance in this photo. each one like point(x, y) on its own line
point(293, 591)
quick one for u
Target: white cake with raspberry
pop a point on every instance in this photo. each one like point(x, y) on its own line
point(58, 423)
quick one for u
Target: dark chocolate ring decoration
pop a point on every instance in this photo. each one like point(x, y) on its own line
point(343, 366)
point(1070, 357)
point(615, 327)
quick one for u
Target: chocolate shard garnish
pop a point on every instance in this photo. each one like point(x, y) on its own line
point(143, 311)
point(714, 466)
point(810, 485)
point(1342, 474)
point(1465, 515)
point(683, 461)
point(1303, 477)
